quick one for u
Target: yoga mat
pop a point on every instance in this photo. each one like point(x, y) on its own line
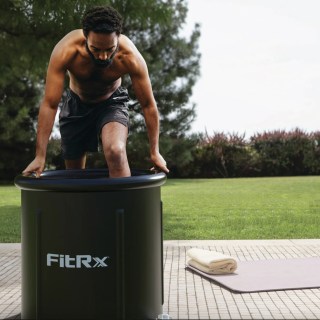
point(270, 275)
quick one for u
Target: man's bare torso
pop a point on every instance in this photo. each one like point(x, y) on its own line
point(89, 82)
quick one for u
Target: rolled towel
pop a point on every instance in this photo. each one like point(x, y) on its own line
point(211, 261)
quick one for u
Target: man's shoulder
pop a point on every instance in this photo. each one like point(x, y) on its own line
point(126, 45)
point(72, 39)
point(129, 55)
point(69, 46)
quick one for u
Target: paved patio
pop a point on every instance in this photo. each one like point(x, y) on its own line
point(188, 296)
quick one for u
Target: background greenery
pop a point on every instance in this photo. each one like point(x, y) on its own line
point(244, 208)
point(274, 153)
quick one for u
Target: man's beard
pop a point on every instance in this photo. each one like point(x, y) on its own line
point(101, 63)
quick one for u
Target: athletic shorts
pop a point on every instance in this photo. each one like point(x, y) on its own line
point(81, 123)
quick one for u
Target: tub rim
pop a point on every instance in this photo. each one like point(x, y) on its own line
point(88, 180)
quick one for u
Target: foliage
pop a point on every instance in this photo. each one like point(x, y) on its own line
point(173, 64)
point(16, 129)
point(177, 151)
point(274, 153)
point(29, 30)
point(222, 155)
point(287, 153)
point(180, 154)
point(172, 60)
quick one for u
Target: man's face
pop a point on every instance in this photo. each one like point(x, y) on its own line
point(102, 47)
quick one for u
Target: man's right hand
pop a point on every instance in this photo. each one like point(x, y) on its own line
point(36, 166)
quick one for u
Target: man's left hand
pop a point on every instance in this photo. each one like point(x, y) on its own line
point(159, 163)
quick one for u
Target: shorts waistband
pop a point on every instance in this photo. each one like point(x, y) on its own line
point(75, 96)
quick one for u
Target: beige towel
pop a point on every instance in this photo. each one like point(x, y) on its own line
point(211, 261)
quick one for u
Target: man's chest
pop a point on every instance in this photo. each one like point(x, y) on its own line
point(89, 74)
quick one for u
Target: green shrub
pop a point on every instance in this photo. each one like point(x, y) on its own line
point(282, 153)
point(223, 155)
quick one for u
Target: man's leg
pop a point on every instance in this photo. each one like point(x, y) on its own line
point(77, 163)
point(114, 140)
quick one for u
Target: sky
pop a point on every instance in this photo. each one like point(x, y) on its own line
point(260, 65)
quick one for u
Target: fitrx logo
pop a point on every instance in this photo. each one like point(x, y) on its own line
point(75, 261)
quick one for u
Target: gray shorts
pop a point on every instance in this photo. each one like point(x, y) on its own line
point(81, 123)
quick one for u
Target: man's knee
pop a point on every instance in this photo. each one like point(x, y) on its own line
point(116, 152)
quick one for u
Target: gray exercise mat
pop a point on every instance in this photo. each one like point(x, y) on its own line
point(270, 275)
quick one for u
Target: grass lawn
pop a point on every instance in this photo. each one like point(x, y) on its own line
point(9, 214)
point(250, 208)
point(246, 208)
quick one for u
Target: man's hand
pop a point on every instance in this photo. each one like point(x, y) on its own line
point(36, 166)
point(159, 163)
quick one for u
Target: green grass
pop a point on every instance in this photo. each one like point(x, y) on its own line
point(10, 225)
point(253, 208)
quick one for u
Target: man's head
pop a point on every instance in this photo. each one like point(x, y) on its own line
point(102, 20)
point(102, 27)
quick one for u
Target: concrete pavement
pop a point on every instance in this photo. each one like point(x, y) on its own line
point(188, 296)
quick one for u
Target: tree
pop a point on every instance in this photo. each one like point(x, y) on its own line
point(173, 63)
point(29, 29)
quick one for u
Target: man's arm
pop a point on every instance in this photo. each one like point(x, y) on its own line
point(47, 112)
point(143, 90)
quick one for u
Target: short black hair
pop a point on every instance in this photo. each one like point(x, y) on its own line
point(102, 19)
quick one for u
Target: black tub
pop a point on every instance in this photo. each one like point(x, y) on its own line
point(91, 245)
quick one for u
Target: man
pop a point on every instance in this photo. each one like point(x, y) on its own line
point(95, 58)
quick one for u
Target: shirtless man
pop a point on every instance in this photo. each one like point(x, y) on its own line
point(95, 58)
